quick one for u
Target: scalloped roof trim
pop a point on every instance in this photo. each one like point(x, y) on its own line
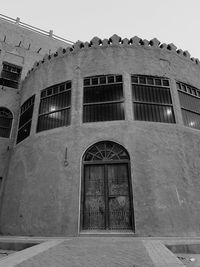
point(114, 40)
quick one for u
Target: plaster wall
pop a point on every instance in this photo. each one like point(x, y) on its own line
point(42, 195)
point(21, 47)
point(16, 35)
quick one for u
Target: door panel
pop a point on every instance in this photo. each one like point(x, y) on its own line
point(118, 197)
point(94, 199)
point(117, 179)
point(119, 213)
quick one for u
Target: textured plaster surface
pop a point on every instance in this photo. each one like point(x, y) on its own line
point(20, 47)
point(18, 36)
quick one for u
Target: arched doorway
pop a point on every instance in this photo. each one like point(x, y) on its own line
point(106, 188)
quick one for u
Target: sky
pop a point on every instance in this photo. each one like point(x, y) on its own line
point(170, 21)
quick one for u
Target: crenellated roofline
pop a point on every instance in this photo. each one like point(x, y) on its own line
point(115, 41)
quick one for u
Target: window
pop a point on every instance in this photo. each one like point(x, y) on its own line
point(103, 98)
point(190, 104)
point(25, 120)
point(152, 99)
point(10, 75)
point(55, 106)
point(5, 122)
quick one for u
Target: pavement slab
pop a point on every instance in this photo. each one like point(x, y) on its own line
point(96, 251)
point(93, 252)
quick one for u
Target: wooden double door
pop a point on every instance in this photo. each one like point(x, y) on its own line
point(107, 197)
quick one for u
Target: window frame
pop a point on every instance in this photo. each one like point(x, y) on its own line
point(117, 79)
point(44, 94)
point(164, 82)
point(11, 122)
point(192, 93)
point(4, 79)
point(27, 105)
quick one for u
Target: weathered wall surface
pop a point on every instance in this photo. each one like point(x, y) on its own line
point(42, 195)
point(21, 47)
point(9, 98)
point(17, 36)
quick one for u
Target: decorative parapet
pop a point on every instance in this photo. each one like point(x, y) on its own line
point(154, 42)
point(116, 41)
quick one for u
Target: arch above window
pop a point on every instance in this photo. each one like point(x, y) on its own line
point(6, 118)
point(106, 151)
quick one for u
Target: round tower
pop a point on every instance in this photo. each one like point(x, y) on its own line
point(108, 140)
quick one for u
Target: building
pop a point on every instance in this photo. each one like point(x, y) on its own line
point(101, 136)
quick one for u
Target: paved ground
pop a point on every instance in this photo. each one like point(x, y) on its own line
point(97, 252)
point(85, 252)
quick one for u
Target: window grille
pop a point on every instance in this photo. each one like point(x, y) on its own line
point(103, 98)
point(152, 99)
point(5, 122)
point(55, 107)
point(189, 97)
point(105, 151)
point(25, 120)
point(10, 75)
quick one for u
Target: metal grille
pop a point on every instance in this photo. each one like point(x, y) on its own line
point(105, 150)
point(149, 112)
point(152, 99)
point(26, 113)
point(103, 98)
point(94, 202)
point(5, 122)
point(150, 80)
point(188, 89)
point(190, 105)
point(10, 75)
point(55, 107)
point(191, 119)
point(118, 197)
point(189, 102)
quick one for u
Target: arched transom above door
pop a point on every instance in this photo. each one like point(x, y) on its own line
point(106, 151)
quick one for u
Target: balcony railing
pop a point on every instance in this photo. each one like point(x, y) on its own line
point(34, 29)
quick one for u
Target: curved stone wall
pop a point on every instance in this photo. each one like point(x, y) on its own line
point(42, 195)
